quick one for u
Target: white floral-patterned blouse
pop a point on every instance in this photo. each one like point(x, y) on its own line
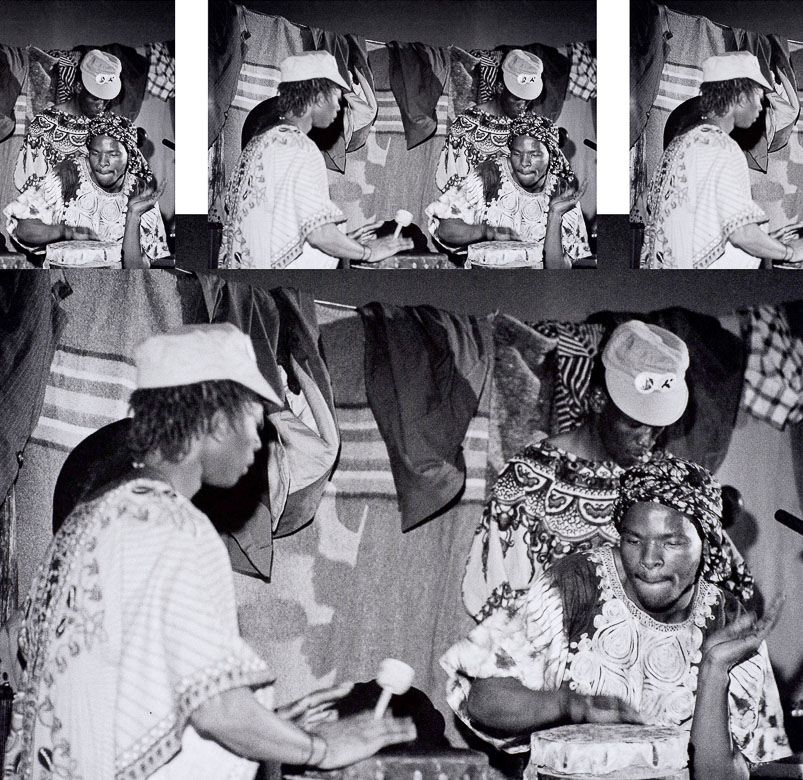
point(576, 627)
point(513, 207)
point(91, 206)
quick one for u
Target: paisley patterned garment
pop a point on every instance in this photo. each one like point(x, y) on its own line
point(546, 504)
point(699, 194)
point(52, 137)
point(576, 627)
point(130, 625)
point(475, 135)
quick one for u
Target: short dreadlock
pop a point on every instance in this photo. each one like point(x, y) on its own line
point(295, 97)
point(717, 97)
point(166, 419)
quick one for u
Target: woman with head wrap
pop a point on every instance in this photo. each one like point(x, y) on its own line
point(530, 195)
point(108, 196)
point(637, 633)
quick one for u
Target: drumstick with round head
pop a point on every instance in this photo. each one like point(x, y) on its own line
point(403, 219)
point(393, 677)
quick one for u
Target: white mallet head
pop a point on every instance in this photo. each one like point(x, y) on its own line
point(403, 219)
point(394, 677)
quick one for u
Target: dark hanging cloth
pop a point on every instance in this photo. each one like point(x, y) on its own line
point(649, 46)
point(716, 367)
point(227, 48)
point(424, 372)
point(31, 324)
point(418, 74)
point(9, 91)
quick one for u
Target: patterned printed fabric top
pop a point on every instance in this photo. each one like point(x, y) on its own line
point(576, 626)
point(130, 624)
point(475, 135)
point(546, 504)
point(699, 194)
point(52, 136)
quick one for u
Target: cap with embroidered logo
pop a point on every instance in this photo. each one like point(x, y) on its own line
point(100, 74)
point(521, 73)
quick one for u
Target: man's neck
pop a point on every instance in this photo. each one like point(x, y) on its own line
point(303, 123)
point(724, 123)
point(184, 476)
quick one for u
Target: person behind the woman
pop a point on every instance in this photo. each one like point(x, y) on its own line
point(695, 659)
point(62, 131)
point(482, 131)
point(279, 214)
point(530, 195)
point(108, 195)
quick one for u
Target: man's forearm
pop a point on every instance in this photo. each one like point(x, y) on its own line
point(505, 705)
point(34, 232)
point(459, 233)
point(553, 243)
point(753, 240)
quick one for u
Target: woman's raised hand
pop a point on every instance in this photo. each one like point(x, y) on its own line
point(567, 198)
point(144, 197)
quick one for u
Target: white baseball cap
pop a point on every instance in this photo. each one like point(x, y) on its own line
point(734, 65)
point(521, 73)
point(645, 370)
point(201, 353)
point(100, 73)
point(311, 65)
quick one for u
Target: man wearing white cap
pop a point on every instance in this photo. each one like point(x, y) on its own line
point(133, 661)
point(557, 496)
point(701, 213)
point(63, 130)
point(279, 214)
point(483, 130)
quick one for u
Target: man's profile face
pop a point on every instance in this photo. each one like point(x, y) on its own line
point(512, 105)
point(90, 105)
point(626, 440)
point(230, 449)
point(748, 108)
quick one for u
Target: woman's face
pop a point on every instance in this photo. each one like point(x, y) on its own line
point(529, 159)
point(108, 160)
point(748, 108)
point(661, 553)
point(230, 449)
point(326, 108)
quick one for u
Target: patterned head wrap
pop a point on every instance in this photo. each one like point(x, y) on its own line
point(692, 490)
point(120, 128)
point(540, 128)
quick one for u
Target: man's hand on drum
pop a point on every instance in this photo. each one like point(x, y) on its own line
point(315, 707)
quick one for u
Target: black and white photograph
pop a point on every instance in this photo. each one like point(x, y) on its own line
point(715, 134)
point(402, 135)
point(282, 497)
point(87, 133)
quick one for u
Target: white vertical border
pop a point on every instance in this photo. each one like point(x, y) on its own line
point(191, 101)
point(613, 106)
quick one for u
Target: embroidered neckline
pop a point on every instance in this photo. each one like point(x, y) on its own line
point(705, 596)
point(85, 174)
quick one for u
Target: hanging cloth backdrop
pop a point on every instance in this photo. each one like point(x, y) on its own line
point(383, 175)
point(693, 39)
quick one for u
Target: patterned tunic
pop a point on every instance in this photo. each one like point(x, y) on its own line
point(699, 194)
point(513, 207)
point(546, 503)
point(52, 136)
point(475, 135)
point(130, 625)
point(91, 207)
point(278, 195)
point(576, 627)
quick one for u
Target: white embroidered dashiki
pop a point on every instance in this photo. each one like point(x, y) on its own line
point(699, 194)
point(91, 207)
point(513, 207)
point(576, 627)
point(277, 196)
point(130, 625)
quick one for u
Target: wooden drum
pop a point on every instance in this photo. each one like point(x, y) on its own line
point(617, 751)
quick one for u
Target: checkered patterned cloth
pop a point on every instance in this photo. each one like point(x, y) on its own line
point(583, 71)
point(162, 72)
point(773, 379)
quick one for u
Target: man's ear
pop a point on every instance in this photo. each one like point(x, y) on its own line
point(219, 425)
point(597, 400)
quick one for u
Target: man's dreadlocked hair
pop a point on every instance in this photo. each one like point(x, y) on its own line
point(167, 418)
point(295, 97)
point(716, 97)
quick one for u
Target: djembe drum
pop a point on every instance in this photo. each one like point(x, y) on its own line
point(505, 254)
point(84, 254)
point(618, 751)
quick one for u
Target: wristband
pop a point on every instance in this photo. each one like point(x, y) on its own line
point(370, 254)
point(318, 750)
point(787, 248)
